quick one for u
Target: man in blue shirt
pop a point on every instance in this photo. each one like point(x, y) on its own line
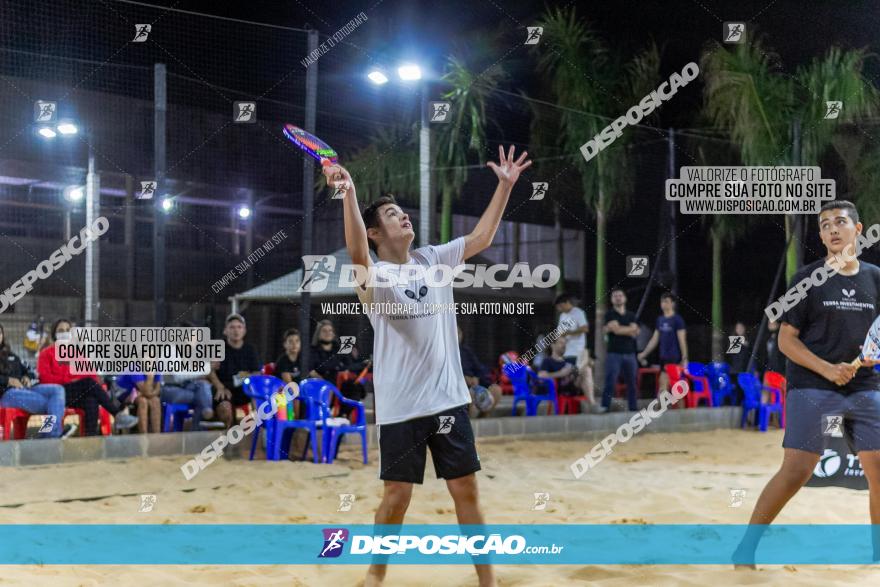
point(670, 334)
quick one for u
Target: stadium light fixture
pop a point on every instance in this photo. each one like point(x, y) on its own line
point(378, 77)
point(409, 72)
point(74, 193)
point(167, 204)
point(67, 128)
point(244, 212)
point(46, 132)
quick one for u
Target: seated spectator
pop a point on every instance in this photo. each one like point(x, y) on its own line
point(484, 392)
point(192, 390)
point(84, 392)
point(227, 377)
point(149, 406)
point(556, 367)
point(287, 366)
point(17, 390)
point(327, 363)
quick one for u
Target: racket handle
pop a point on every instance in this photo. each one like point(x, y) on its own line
point(857, 363)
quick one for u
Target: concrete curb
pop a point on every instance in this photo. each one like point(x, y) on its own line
point(22, 453)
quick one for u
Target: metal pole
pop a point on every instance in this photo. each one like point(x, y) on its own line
point(159, 163)
point(800, 224)
point(249, 232)
point(129, 249)
point(673, 255)
point(93, 210)
point(425, 208)
point(233, 229)
point(305, 310)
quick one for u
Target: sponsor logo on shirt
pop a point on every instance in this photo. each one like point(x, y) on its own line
point(848, 302)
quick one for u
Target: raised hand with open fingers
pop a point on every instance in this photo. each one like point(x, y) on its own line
point(507, 169)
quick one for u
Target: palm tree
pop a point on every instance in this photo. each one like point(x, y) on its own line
point(546, 131)
point(465, 134)
point(724, 231)
point(389, 163)
point(594, 88)
point(747, 95)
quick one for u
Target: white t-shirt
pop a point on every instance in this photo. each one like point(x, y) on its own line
point(571, 320)
point(417, 366)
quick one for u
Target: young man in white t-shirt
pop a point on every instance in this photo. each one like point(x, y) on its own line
point(421, 396)
point(573, 328)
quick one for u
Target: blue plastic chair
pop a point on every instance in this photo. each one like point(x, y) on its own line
point(175, 414)
point(752, 389)
point(701, 387)
point(313, 394)
point(333, 434)
point(523, 378)
point(722, 386)
point(260, 389)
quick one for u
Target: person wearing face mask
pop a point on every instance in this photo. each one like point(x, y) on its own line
point(326, 361)
point(18, 391)
point(81, 391)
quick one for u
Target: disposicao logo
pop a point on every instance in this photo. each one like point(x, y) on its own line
point(334, 540)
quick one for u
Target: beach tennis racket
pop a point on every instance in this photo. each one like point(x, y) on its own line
point(311, 144)
point(871, 346)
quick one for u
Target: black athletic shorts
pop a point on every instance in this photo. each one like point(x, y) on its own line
point(403, 446)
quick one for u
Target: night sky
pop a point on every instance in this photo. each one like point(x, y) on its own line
point(798, 31)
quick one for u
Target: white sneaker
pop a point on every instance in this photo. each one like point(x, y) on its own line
point(124, 421)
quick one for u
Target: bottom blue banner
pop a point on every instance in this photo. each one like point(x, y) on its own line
point(228, 544)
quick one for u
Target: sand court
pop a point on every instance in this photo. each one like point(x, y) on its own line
point(664, 478)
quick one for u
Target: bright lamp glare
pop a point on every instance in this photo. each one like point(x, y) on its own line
point(167, 204)
point(244, 212)
point(74, 193)
point(47, 132)
point(377, 77)
point(67, 128)
point(409, 72)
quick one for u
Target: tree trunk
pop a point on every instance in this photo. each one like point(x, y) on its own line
point(560, 249)
point(717, 317)
point(446, 216)
point(601, 294)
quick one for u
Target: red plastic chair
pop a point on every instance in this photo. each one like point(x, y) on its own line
point(676, 373)
point(775, 380)
point(14, 421)
point(103, 420)
point(700, 388)
point(570, 404)
point(503, 380)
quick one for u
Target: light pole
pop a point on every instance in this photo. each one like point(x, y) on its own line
point(409, 72)
point(93, 207)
